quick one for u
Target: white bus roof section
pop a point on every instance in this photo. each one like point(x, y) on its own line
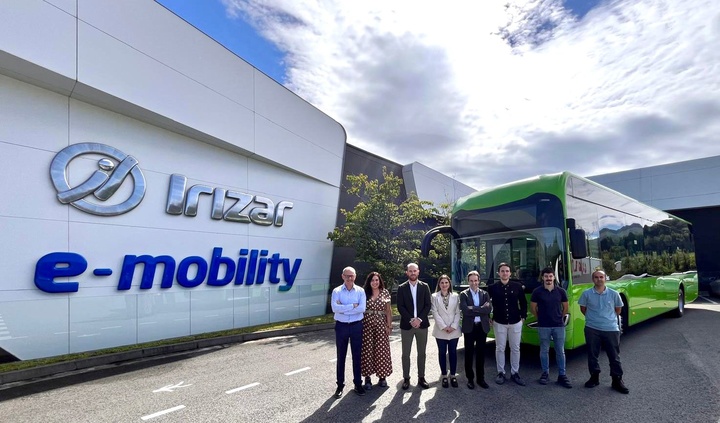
point(136, 58)
point(676, 186)
point(432, 185)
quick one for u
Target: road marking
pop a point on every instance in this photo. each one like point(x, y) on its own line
point(708, 299)
point(333, 360)
point(160, 413)
point(297, 371)
point(252, 385)
point(170, 388)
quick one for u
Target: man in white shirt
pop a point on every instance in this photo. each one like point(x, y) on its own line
point(348, 303)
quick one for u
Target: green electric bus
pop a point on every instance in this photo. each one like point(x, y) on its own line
point(575, 226)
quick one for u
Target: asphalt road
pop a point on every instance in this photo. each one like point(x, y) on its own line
point(672, 367)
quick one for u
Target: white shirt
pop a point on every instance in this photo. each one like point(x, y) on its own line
point(413, 291)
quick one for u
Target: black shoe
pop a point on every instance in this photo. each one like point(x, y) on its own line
point(406, 384)
point(359, 390)
point(368, 383)
point(563, 381)
point(500, 379)
point(544, 378)
point(517, 379)
point(618, 385)
point(593, 381)
point(338, 392)
point(453, 382)
point(383, 382)
point(483, 384)
point(445, 383)
point(423, 384)
point(471, 385)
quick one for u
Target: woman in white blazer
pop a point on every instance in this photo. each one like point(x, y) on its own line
point(445, 306)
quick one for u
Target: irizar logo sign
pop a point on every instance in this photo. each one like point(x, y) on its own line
point(252, 267)
point(239, 210)
point(102, 184)
point(107, 179)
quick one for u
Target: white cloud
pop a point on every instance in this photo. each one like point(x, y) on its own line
point(490, 92)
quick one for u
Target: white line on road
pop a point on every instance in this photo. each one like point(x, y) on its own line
point(160, 413)
point(708, 299)
point(297, 371)
point(252, 385)
point(333, 360)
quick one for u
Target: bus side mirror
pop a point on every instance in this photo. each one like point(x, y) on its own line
point(578, 242)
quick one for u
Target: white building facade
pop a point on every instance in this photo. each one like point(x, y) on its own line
point(154, 184)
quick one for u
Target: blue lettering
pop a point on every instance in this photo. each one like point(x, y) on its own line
point(253, 267)
point(182, 273)
point(290, 274)
point(241, 265)
point(261, 267)
point(46, 270)
point(252, 263)
point(215, 262)
point(149, 264)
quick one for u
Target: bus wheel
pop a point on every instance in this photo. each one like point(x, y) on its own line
point(680, 310)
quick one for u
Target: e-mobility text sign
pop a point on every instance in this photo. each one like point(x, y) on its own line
point(252, 267)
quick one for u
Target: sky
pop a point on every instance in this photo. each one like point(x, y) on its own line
point(489, 92)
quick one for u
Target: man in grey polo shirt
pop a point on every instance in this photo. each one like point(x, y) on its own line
point(601, 306)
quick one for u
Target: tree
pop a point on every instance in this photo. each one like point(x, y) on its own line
point(385, 233)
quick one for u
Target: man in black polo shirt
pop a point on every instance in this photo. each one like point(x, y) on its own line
point(549, 303)
point(509, 311)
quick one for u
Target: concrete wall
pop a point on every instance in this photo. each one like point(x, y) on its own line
point(133, 76)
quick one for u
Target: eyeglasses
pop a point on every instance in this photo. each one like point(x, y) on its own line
point(348, 276)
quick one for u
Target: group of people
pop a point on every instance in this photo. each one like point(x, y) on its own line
point(363, 319)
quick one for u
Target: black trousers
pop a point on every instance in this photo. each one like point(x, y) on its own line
point(475, 350)
point(610, 340)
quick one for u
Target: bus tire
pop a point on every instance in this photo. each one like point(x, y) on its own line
point(680, 310)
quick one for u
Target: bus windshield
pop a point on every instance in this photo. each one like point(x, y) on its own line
point(527, 251)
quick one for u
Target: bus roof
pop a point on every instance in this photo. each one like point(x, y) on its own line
point(512, 191)
point(554, 184)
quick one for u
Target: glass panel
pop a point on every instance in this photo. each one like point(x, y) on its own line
point(527, 252)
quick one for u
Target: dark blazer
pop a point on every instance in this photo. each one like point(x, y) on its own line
point(405, 304)
point(469, 311)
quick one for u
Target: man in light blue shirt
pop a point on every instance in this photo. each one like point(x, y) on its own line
point(348, 304)
point(601, 306)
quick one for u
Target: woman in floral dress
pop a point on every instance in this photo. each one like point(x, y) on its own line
point(377, 325)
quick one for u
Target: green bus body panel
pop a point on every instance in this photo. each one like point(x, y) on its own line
point(648, 296)
point(552, 184)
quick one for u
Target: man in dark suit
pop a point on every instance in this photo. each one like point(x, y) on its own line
point(475, 307)
point(413, 303)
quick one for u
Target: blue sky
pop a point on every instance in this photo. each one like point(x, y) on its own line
point(493, 91)
point(211, 17)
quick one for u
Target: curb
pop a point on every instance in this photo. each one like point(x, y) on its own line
point(27, 375)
